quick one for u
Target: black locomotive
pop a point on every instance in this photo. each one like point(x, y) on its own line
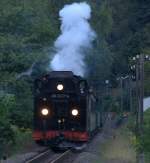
point(64, 106)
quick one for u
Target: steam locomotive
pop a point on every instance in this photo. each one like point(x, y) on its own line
point(64, 109)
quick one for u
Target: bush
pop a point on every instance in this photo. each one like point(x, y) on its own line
point(7, 137)
point(22, 136)
point(143, 141)
point(6, 133)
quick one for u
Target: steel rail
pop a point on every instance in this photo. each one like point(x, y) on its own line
point(44, 154)
point(61, 157)
point(37, 156)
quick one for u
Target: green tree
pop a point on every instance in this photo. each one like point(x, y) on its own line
point(7, 101)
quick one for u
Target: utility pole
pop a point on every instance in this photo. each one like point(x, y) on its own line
point(139, 65)
point(139, 61)
point(141, 92)
point(130, 94)
point(137, 97)
point(121, 87)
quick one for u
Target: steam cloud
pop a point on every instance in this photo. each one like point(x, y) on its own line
point(76, 35)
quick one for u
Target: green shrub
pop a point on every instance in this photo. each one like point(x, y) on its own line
point(7, 137)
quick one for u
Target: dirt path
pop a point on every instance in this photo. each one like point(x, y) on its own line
point(118, 149)
point(113, 145)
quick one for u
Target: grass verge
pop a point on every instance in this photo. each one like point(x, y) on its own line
point(118, 148)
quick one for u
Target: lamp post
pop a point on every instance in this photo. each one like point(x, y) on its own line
point(107, 87)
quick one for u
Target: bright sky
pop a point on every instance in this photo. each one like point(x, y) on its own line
point(146, 103)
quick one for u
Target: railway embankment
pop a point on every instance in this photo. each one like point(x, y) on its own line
point(25, 153)
point(118, 148)
point(113, 145)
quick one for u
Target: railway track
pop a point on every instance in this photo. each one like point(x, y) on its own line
point(49, 156)
point(62, 157)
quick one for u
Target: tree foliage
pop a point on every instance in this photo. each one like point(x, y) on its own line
point(27, 32)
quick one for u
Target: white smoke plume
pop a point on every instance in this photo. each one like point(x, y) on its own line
point(76, 35)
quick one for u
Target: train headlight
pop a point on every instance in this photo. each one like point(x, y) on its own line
point(74, 112)
point(45, 111)
point(60, 87)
